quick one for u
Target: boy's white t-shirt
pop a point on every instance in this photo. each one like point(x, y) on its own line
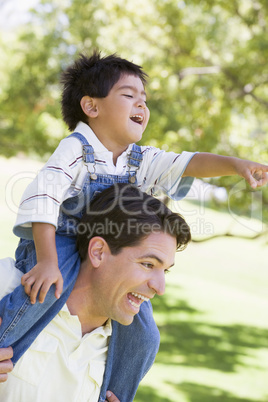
point(63, 176)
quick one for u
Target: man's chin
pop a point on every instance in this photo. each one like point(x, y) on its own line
point(126, 321)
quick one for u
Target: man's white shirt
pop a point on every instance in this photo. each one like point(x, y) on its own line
point(61, 365)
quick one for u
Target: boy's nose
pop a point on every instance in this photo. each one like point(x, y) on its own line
point(142, 103)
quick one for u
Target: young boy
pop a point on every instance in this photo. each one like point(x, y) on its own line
point(104, 103)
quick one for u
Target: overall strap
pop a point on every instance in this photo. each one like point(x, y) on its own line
point(135, 156)
point(134, 159)
point(88, 151)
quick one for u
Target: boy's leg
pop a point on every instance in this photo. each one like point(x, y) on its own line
point(132, 351)
point(22, 321)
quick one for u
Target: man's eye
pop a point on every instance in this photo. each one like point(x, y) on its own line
point(148, 265)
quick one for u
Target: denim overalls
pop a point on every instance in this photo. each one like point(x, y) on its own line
point(132, 348)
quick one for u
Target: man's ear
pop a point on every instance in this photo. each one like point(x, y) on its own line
point(89, 106)
point(97, 248)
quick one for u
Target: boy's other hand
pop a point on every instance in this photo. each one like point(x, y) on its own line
point(40, 278)
point(6, 365)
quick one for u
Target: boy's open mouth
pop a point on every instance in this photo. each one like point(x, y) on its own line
point(137, 118)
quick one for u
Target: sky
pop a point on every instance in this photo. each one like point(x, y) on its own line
point(14, 12)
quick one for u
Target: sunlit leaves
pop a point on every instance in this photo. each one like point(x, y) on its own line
point(207, 62)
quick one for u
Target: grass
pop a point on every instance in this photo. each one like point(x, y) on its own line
point(213, 318)
point(213, 322)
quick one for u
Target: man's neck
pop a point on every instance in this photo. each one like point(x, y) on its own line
point(80, 303)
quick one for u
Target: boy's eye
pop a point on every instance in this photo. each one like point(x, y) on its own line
point(128, 96)
point(167, 271)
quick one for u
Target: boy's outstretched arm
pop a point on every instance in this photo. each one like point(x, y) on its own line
point(46, 271)
point(205, 164)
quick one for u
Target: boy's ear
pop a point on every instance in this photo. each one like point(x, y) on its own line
point(89, 106)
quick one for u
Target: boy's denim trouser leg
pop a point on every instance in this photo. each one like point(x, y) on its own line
point(23, 321)
point(132, 349)
point(131, 353)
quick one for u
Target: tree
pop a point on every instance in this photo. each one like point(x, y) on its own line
point(206, 61)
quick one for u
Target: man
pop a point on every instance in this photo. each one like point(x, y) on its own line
point(127, 242)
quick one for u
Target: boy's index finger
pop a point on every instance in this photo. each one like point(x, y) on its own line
point(262, 168)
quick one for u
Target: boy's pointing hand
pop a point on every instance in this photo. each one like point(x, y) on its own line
point(254, 173)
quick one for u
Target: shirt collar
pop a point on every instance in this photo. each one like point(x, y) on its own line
point(93, 140)
point(105, 329)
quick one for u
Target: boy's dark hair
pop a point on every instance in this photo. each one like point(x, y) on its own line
point(92, 76)
point(123, 216)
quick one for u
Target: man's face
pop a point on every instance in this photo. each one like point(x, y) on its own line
point(123, 114)
point(135, 275)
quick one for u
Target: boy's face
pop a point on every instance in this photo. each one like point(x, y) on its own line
point(122, 115)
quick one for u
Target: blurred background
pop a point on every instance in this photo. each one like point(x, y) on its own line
point(207, 91)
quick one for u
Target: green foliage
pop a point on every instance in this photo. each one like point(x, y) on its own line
point(207, 63)
point(212, 324)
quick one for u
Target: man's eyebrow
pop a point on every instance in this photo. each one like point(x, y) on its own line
point(155, 257)
point(132, 88)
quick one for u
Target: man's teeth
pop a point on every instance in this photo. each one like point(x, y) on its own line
point(133, 303)
point(140, 296)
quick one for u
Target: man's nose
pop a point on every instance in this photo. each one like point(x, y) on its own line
point(158, 283)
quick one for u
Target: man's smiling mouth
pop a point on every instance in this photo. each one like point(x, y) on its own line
point(135, 299)
point(137, 118)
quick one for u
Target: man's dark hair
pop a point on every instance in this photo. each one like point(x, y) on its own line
point(123, 216)
point(92, 76)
